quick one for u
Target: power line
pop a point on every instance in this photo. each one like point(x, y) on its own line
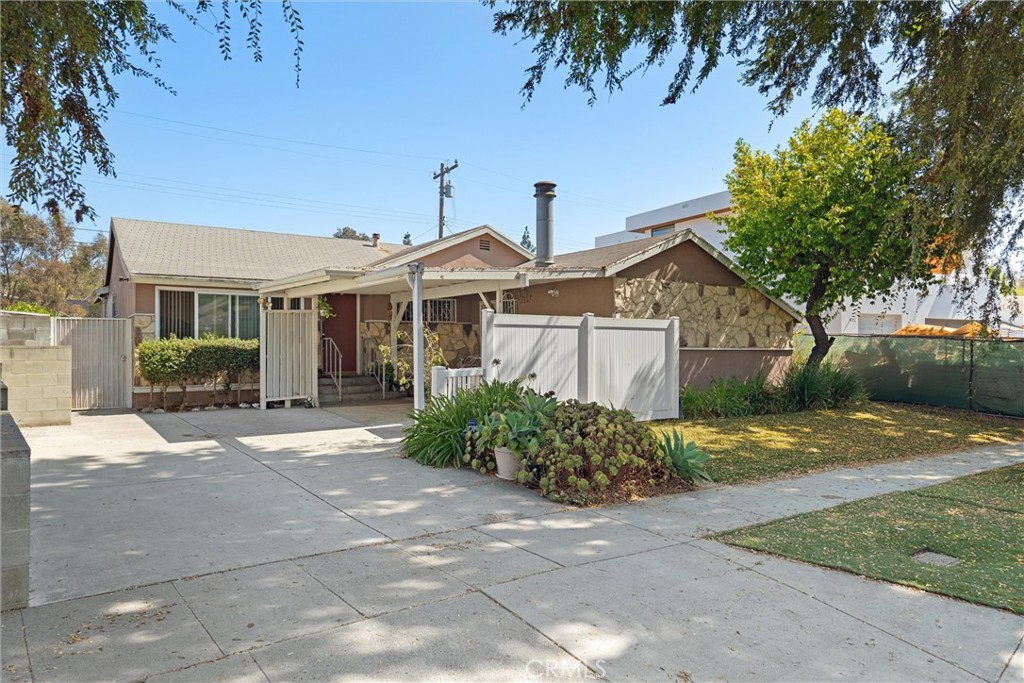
point(361, 150)
point(594, 202)
point(384, 213)
point(244, 143)
point(231, 199)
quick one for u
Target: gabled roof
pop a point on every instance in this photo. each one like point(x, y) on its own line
point(432, 247)
point(615, 258)
point(176, 250)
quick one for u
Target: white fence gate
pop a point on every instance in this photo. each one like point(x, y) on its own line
point(102, 360)
point(289, 349)
point(620, 362)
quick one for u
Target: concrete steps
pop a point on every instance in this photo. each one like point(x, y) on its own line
point(354, 389)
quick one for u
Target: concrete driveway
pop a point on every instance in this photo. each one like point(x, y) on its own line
point(296, 545)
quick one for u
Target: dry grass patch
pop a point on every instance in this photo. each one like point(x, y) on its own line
point(760, 447)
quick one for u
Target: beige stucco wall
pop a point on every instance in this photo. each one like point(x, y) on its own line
point(575, 297)
point(38, 380)
point(700, 367)
point(467, 254)
point(684, 262)
point(710, 316)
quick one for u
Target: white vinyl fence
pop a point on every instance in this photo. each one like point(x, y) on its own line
point(102, 360)
point(446, 382)
point(618, 362)
point(289, 348)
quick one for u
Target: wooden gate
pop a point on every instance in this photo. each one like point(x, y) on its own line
point(101, 360)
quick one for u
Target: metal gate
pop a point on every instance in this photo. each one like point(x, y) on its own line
point(289, 350)
point(101, 360)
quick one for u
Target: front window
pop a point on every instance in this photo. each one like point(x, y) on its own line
point(434, 311)
point(199, 314)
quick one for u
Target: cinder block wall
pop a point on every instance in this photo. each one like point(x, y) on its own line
point(15, 467)
point(25, 329)
point(38, 380)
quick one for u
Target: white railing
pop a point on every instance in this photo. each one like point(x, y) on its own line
point(330, 362)
point(447, 381)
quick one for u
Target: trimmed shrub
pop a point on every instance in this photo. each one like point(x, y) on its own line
point(172, 361)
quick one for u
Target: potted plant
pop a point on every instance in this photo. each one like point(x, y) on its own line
point(516, 433)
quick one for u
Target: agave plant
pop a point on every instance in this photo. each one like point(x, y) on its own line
point(687, 460)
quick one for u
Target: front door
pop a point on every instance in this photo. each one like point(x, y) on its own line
point(342, 328)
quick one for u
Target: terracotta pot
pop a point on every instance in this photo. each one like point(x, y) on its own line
point(508, 463)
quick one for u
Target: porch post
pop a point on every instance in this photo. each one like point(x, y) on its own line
point(416, 282)
point(359, 334)
point(263, 355)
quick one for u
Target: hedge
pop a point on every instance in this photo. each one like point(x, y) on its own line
point(215, 362)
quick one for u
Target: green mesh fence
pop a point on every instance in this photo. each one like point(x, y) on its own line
point(987, 376)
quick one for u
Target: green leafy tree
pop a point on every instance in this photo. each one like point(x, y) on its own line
point(407, 239)
point(957, 100)
point(348, 233)
point(41, 263)
point(527, 241)
point(824, 219)
point(60, 61)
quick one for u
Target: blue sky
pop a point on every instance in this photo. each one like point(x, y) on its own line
point(414, 84)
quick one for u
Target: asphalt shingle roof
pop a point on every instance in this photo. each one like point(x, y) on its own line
point(197, 251)
point(602, 257)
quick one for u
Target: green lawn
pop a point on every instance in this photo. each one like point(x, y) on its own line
point(978, 520)
point(746, 449)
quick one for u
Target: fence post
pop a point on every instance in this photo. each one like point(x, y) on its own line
point(672, 364)
point(438, 381)
point(585, 362)
point(487, 343)
point(263, 357)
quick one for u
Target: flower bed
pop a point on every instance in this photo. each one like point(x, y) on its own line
point(572, 452)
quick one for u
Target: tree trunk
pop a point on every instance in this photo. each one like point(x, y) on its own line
point(822, 342)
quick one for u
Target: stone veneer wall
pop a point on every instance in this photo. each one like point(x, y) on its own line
point(460, 342)
point(710, 316)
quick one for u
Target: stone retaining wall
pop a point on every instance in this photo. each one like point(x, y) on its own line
point(710, 316)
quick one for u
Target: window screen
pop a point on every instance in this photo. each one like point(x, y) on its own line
point(177, 314)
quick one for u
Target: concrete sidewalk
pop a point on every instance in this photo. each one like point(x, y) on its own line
point(317, 554)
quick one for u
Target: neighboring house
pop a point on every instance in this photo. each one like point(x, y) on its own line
point(936, 307)
point(194, 280)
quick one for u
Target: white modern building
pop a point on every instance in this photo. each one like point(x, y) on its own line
point(937, 307)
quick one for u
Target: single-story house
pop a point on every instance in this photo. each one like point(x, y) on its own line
point(193, 280)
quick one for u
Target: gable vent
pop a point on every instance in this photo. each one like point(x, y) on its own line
point(485, 245)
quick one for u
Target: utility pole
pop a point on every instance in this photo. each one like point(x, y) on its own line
point(444, 189)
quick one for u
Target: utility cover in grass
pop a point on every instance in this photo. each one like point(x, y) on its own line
point(979, 520)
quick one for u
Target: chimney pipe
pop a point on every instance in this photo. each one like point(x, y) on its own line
point(545, 195)
point(376, 239)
